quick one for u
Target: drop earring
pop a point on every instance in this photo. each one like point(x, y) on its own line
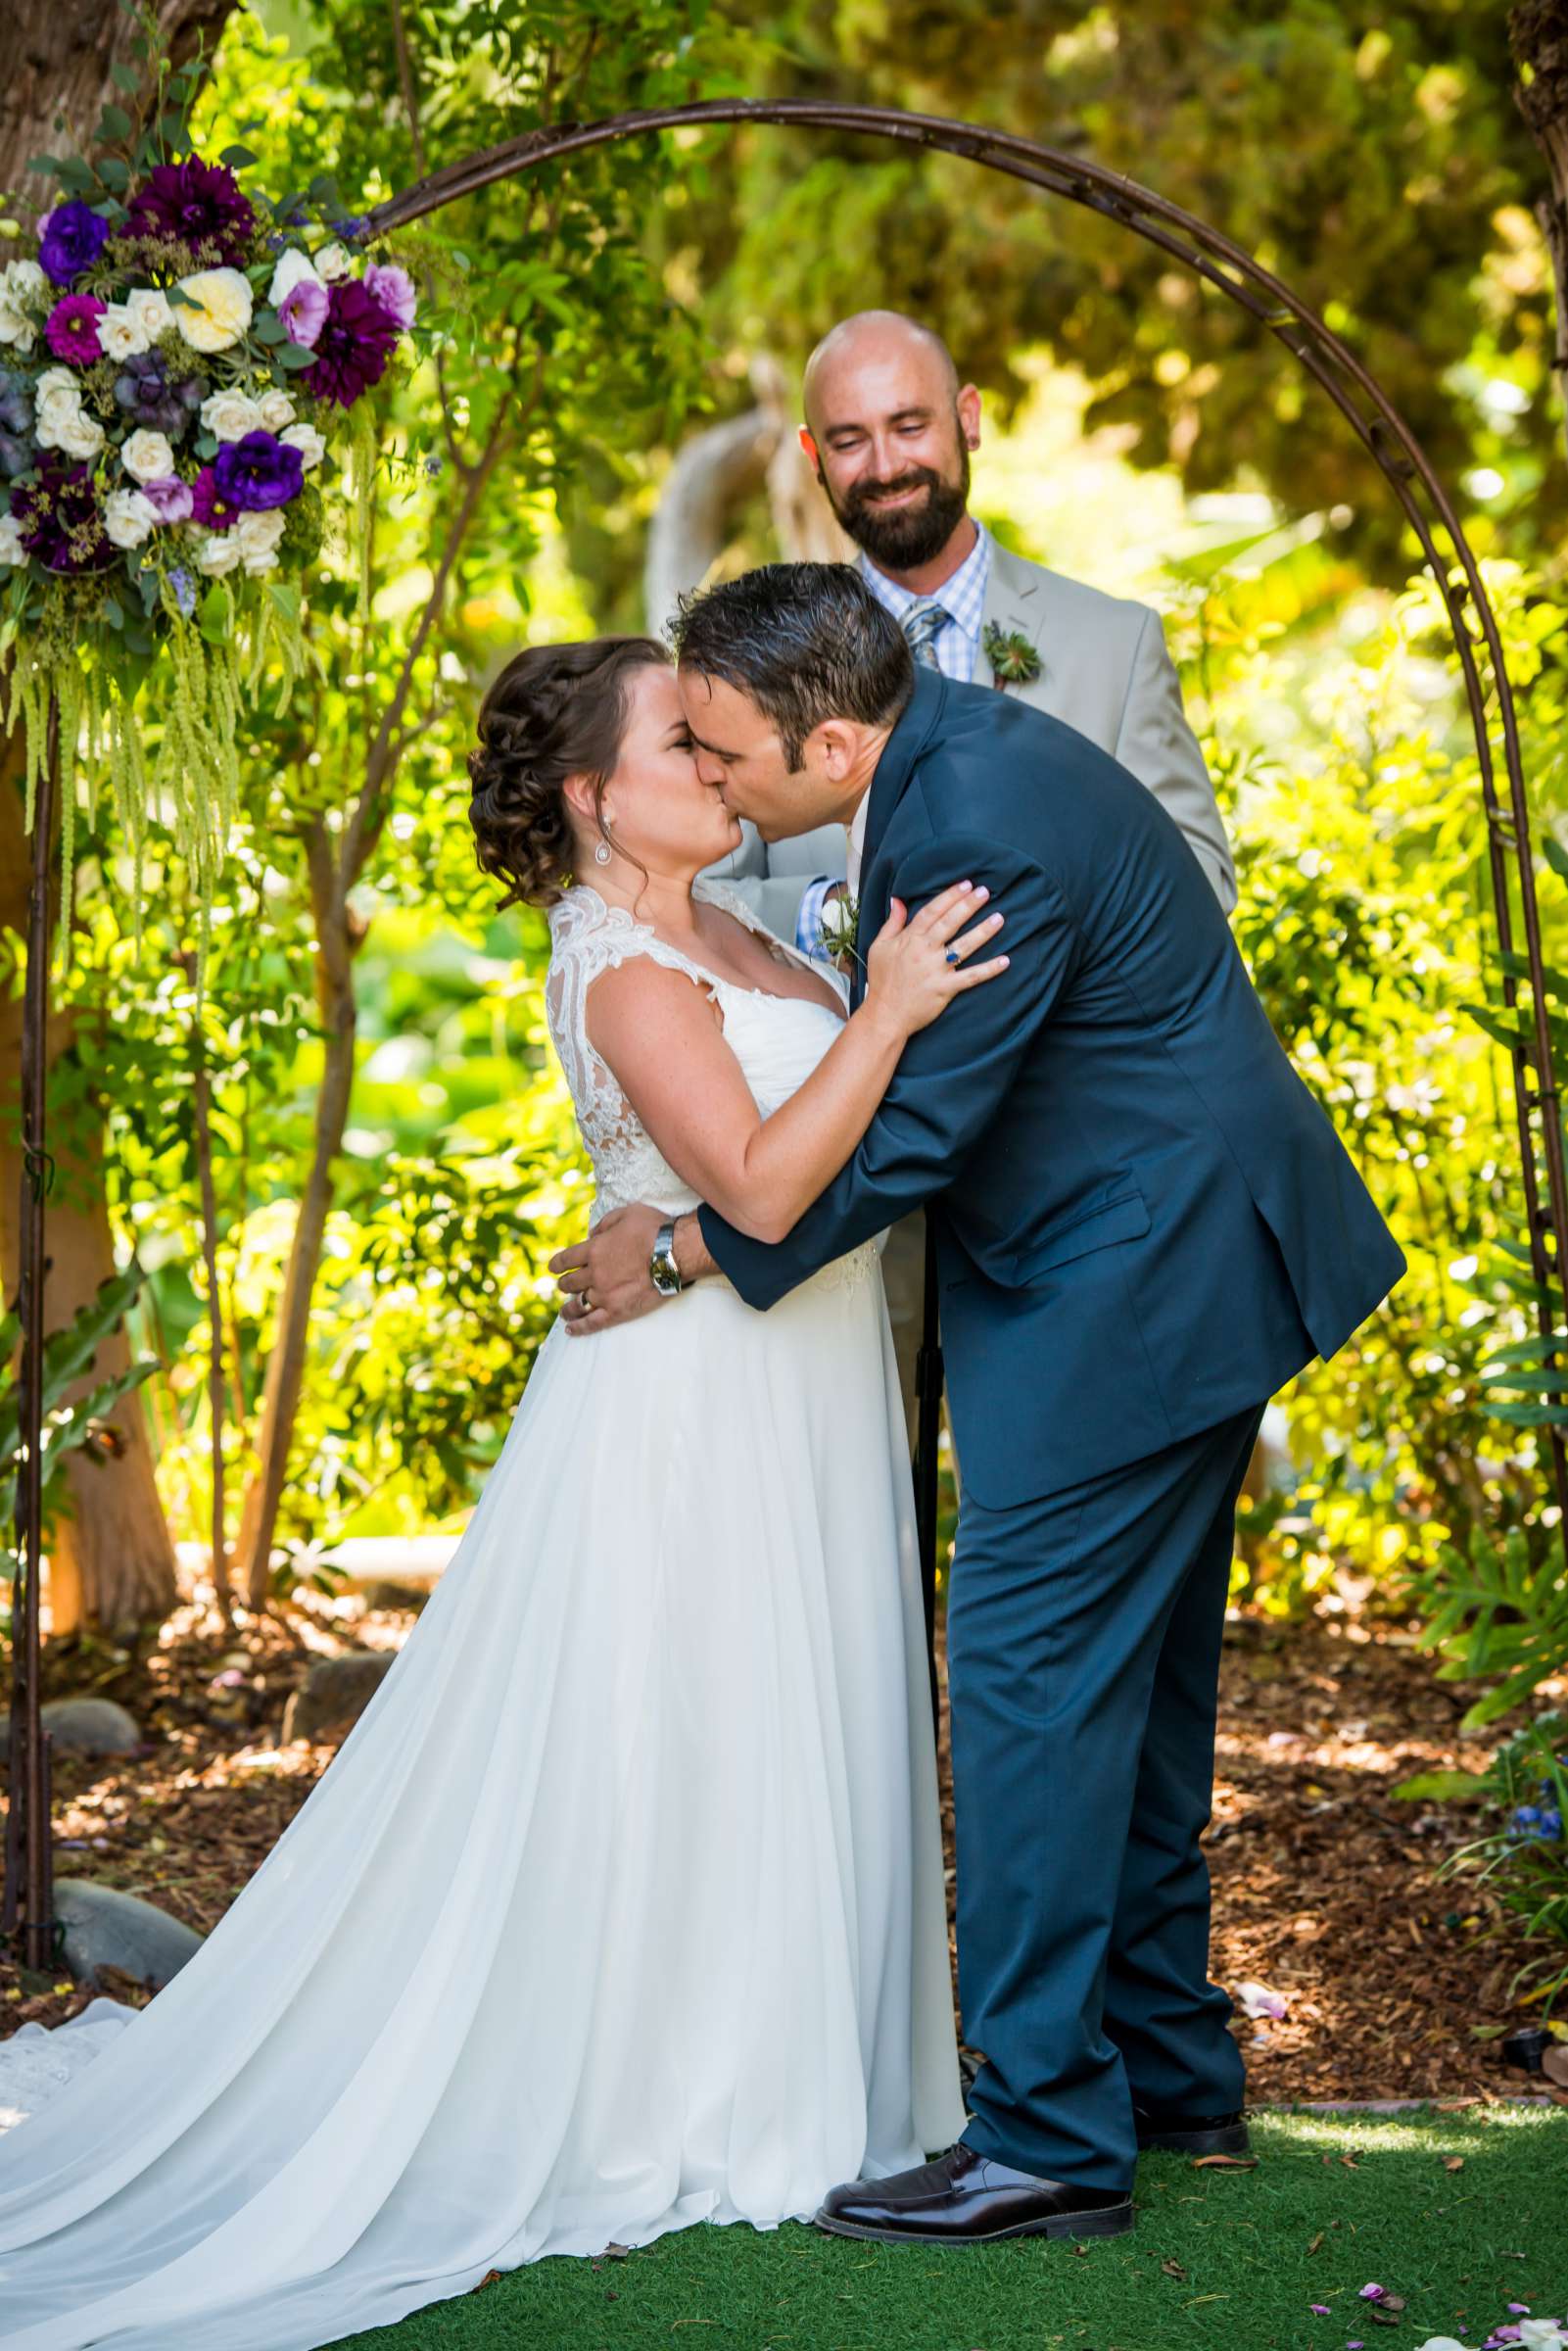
point(601, 853)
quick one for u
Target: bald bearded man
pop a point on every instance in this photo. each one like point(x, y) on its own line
point(890, 430)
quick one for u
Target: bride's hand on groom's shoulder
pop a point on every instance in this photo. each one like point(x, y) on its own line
point(605, 1279)
point(918, 963)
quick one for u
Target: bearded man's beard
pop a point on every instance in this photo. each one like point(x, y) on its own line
point(902, 538)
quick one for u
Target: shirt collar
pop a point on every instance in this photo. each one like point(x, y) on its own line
point(961, 596)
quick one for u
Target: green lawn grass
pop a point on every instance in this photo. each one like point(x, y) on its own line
point(1230, 2260)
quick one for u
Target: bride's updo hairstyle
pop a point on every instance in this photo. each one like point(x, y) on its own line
point(556, 710)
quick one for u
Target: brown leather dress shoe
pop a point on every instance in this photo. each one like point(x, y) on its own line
point(966, 2198)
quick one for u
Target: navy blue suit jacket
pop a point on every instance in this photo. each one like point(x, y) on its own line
point(1144, 1221)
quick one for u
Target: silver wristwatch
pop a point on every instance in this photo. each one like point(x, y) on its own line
point(662, 1265)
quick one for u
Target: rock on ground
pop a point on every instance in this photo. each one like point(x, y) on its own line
point(108, 1929)
point(332, 1696)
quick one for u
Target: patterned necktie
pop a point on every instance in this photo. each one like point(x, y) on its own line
point(920, 625)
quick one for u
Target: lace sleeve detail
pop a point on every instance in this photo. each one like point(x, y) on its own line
point(588, 937)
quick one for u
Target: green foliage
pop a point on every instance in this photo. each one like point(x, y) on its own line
point(1521, 1853)
point(1496, 1611)
point(1376, 163)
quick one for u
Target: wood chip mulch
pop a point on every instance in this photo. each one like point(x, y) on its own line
point(1325, 1886)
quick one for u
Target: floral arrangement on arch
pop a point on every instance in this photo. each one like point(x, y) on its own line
point(183, 360)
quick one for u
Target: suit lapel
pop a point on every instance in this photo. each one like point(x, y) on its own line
point(1014, 602)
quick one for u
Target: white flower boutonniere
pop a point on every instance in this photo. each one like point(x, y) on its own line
point(841, 928)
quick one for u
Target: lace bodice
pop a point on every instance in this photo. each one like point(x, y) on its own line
point(778, 1040)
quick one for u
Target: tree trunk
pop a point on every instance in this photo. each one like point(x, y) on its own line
point(1538, 33)
point(112, 1562)
point(111, 1559)
point(340, 933)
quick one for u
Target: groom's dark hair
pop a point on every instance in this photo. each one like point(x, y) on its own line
point(805, 641)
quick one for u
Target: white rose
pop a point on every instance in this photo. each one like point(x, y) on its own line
point(148, 455)
point(129, 517)
point(24, 281)
point(230, 414)
point(151, 309)
point(334, 262)
point(293, 265)
point(84, 437)
point(12, 550)
point(121, 336)
point(308, 440)
point(1540, 2334)
point(277, 410)
point(219, 552)
point(22, 289)
point(57, 409)
point(257, 534)
point(223, 297)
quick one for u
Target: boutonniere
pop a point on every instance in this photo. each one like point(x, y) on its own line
point(1011, 656)
point(840, 928)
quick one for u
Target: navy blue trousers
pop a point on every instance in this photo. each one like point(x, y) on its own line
point(1083, 1637)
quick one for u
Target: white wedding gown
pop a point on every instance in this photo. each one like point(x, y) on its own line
point(619, 1908)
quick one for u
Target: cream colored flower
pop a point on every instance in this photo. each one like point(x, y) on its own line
point(257, 534)
point(148, 455)
point(151, 309)
point(224, 311)
point(292, 266)
point(121, 335)
point(83, 437)
point(12, 550)
point(219, 552)
point(57, 406)
point(129, 517)
point(308, 440)
point(24, 296)
point(334, 262)
point(230, 414)
point(277, 410)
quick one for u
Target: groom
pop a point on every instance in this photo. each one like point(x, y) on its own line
point(1145, 1226)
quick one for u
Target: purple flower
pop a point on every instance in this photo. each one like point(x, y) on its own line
point(1373, 2293)
point(354, 228)
point(392, 286)
point(198, 202)
point(304, 311)
point(209, 505)
point(72, 237)
point(60, 519)
point(185, 587)
point(71, 328)
point(353, 346)
point(1319, 2310)
point(259, 471)
point(169, 497)
point(1519, 2310)
point(16, 454)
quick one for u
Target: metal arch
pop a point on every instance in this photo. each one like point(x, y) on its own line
point(1359, 396)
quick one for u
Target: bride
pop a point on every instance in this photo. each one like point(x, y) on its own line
point(621, 1907)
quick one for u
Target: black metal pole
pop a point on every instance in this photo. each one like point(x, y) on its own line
point(929, 1420)
point(29, 1844)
